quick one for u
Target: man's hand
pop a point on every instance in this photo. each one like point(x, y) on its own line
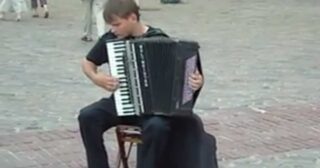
point(105, 81)
point(196, 81)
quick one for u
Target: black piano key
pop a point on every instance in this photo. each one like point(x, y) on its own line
point(127, 103)
point(127, 108)
point(129, 112)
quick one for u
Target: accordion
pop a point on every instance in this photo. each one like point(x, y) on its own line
point(153, 75)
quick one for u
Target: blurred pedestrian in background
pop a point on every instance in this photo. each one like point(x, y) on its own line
point(16, 6)
point(93, 8)
point(88, 11)
point(43, 5)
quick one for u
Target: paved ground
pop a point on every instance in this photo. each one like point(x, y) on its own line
point(261, 97)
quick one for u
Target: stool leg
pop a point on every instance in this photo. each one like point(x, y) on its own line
point(129, 150)
point(122, 151)
point(118, 161)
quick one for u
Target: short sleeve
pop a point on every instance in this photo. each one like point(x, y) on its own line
point(98, 53)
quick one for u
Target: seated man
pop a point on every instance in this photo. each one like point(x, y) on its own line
point(159, 134)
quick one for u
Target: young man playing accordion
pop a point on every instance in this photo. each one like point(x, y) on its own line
point(176, 142)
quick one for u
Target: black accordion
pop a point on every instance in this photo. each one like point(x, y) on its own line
point(153, 75)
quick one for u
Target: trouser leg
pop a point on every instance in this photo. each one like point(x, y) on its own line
point(155, 134)
point(88, 18)
point(94, 120)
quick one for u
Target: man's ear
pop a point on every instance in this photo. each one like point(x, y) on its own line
point(133, 17)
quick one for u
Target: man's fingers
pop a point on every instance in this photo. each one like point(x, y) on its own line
point(196, 76)
point(197, 72)
point(111, 86)
point(194, 83)
point(195, 79)
point(194, 86)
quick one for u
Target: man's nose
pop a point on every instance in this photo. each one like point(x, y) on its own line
point(113, 30)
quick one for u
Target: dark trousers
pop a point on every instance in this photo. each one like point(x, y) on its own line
point(175, 142)
point(98, 117)
point(34, 3)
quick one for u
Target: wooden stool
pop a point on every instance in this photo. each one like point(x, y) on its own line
point(126, 133)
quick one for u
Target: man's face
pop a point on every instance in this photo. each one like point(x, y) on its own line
point(122, 27)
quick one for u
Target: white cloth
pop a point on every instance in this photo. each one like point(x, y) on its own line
point(93, 8)
point(17, 6)
point(100, 23)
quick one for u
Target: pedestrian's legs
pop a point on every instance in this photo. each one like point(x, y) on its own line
point(5, 5)
point(88, 20)
point(94, 120)
point(17, 7)
point(155, 134)
point(34, 7)
point(43, 2)
point(101, 24)
point(34, 4)
point(44, 5)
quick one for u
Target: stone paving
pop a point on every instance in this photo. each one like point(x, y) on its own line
point(261, 97)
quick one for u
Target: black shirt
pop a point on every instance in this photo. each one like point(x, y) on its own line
point(98, 54)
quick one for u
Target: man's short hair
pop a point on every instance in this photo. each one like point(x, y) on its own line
point(120, 8)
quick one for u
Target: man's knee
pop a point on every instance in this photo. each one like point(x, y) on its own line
point(85, 116)
point(156, 126)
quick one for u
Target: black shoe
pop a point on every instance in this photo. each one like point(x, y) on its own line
point(35, 15)
point(46, 15)
point(86, 39)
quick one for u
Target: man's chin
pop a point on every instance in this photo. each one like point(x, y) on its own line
point(120, 37)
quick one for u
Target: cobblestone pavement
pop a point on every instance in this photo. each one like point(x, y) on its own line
point(261, 97)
